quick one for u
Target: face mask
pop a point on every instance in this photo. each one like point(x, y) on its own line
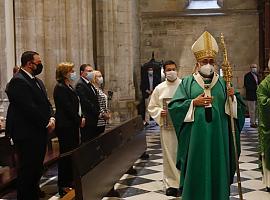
point(90, 76)
point(150, 73)
point(73, 76)
point(206, 70)
point(100, 80)
point(171, 75)
point(254, 70)
point(38, 69)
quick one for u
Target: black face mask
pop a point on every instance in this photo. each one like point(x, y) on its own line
point(38, 70)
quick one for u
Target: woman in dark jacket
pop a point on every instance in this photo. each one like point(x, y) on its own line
point(68, 121)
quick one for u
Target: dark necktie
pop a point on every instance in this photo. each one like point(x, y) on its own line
point(93, 89)
point(256, 78)
point(35, 81)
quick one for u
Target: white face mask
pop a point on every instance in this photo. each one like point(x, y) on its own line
point(206, 70)
point(171, 75)
point(100, 80)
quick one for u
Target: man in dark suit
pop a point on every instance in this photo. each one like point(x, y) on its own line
point(89, 102)
point(149, 80)
point(29, 119)
point(251, 82)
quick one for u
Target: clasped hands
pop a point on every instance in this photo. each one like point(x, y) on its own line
point(51, 125)
point(203, 100)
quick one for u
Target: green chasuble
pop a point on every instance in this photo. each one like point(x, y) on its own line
point(205, 149)
point(263, 100)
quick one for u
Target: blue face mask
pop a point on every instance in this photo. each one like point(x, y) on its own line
point(73, 76)
point(90, 76)
point(254, 70)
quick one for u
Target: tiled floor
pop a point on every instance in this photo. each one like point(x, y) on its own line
point(147, 184)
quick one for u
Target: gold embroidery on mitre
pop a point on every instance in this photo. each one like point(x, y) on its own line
point(199, 55)
point(207, 42)
point(205, 46)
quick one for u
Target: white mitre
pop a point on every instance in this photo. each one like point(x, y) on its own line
point(205, 47)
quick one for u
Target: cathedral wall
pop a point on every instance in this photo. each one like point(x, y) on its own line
point(180, 5)
point(2, 58)
point(118, 53)
point(127, 32)
point(58, 30)
point(63, 31)
point(170, 34)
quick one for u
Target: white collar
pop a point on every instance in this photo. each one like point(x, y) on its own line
point(176, 81)
point(200, 81)
point(85, 80)
point(30, 75)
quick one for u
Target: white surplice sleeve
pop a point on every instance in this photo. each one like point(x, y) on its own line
point(234, 107)
point(155, 107)
point(190, 114)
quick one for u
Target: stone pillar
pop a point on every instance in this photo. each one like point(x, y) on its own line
point(118, 51)
point(29, 28)
point(7, 45)
point(2, 55)
point(266, 37)
point(10, 39)
point(267, 31)
point(59, 30)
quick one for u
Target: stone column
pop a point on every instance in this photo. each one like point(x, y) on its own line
point(266, 37)
point(59, 30)
point(267, 31)
point(10, 39)
point(7, 45)
point(118, 51)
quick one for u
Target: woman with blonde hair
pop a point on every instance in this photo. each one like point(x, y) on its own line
point(68, 120)
point(102, 99)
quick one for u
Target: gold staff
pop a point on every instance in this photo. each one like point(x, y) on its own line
point(227, 75)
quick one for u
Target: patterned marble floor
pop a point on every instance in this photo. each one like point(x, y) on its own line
point(147, 184)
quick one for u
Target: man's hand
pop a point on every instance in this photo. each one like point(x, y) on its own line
point(51, 125)
point(148, 91)
point(163, 113)
point(202, 100)
point(106, 116)
point(82, 122)
point(230, 91)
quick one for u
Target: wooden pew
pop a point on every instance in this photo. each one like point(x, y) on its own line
point(8, 173)
point(100, 163)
